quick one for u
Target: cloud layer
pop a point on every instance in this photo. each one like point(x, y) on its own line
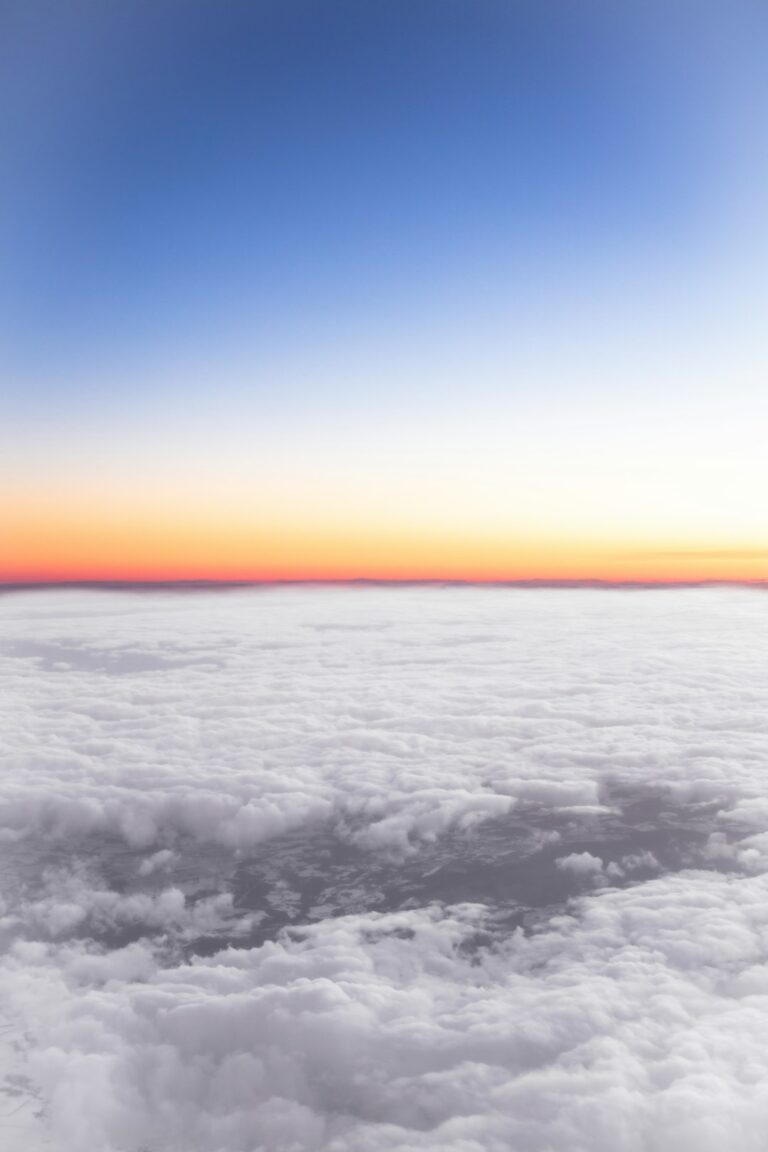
point(637, 1021)
point(165, 756)
point(396, 714)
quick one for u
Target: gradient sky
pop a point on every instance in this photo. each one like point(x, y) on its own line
point(461, 289)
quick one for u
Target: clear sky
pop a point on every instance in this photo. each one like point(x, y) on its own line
point(469, 288)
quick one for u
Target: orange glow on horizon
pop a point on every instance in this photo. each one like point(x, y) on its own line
point(43, 545)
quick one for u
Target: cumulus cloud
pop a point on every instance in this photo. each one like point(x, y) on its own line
point(158, 861)
point(399, 715)
point(539, 919)
point(71, 902)
point(636, 1021)
point(582, 864)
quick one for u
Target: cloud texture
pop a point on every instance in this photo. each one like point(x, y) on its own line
point(161, 753)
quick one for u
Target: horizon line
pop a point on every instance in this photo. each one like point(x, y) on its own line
point(193, 585)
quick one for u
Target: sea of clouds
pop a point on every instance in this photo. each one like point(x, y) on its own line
point(296, 869)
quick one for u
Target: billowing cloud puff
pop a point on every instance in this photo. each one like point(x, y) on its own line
point(637, 1021)
point(393, 714)
point(365, 870)
point(581, 864)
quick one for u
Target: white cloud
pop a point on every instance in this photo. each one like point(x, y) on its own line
point(399, 714)
point(637, 1022)
point(158, 861)
point(143, 735)
point(71, 901)
point(581, 864)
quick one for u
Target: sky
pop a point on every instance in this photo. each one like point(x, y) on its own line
point(396, 290)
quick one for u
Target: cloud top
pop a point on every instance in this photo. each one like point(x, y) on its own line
point(374, 870)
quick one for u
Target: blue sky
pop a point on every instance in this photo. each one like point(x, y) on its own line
point(270, 216)
point(247, 163)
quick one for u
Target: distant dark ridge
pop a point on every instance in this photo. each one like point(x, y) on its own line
point(358, 582)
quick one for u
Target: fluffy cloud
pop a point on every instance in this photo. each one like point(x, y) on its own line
point(582, 864)
point(591, 765)
point(71, 903)
point(395, 715)
point(637, 1021)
